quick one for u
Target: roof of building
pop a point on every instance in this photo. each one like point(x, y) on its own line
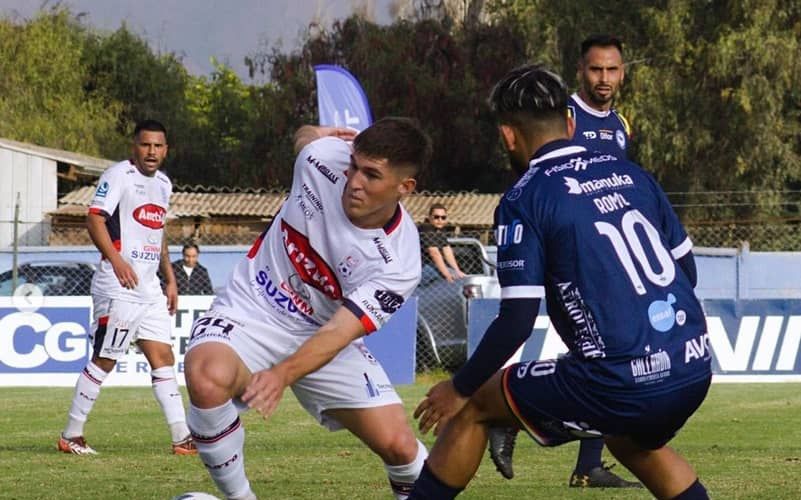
point(89, 165)
point(464, 208)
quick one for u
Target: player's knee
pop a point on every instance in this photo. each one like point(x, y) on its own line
point(105, 364)
point(208, 380)
point(399, 448)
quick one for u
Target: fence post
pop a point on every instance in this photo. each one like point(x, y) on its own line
point(15, 246)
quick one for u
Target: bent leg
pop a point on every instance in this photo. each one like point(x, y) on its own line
point(386, 431)
point(214, 375)
point(664, 472)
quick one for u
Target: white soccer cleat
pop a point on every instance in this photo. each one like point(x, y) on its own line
point(76, 445)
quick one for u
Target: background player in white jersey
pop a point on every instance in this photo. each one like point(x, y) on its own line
point(599, 127)
point(618, 281)
point(341, 256)
point(126, 224)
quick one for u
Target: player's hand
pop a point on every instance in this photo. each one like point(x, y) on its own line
point(459, 274)
point(440, 404)
point(171, 291)
point(125, 274)
point(264, 391)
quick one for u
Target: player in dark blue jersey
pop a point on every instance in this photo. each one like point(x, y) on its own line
point(598, 239)
point(599, 127)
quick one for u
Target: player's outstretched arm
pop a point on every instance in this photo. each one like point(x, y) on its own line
point(267, 386)
point(309, 133)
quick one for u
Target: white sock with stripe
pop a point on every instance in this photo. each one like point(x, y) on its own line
point(165, 388)
point(220, 440)
point(402, 477)
point(87, 388)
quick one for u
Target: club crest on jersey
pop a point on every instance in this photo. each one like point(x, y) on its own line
point(310, 266)
point(620, 137)
point(389, 301)
point(150, 215)
point(347, 265)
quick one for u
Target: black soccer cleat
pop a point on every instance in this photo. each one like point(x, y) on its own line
point(501, 447)
point(601, 477)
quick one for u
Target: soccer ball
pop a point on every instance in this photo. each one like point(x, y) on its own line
point(195, 495)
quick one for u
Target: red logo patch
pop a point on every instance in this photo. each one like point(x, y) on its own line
point(311, 268)
point(150, 215)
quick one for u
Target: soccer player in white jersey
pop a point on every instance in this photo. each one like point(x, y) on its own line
point(341, 256)
point(126, 224)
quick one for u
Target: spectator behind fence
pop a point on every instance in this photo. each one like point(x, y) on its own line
point(191, 276)
point(437, 254)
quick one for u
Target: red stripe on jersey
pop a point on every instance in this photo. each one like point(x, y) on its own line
point(98, 211)
point(102, 321)
point(368, 325)
point(351, 306)
point(254, 249)
point(394, 222)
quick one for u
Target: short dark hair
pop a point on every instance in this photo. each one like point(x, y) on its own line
point(188, 246)
point(150, 126)
point(398, 140)
point(436, 206)
point(600, 40)
point(529, 95)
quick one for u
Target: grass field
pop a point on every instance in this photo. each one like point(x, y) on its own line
point(745, 441)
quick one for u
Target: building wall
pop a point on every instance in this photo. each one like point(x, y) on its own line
point(35, 179)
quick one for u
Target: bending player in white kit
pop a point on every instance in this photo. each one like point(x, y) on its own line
point(126, 223)
point(340, 257)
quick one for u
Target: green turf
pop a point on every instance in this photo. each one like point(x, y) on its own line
point(745, 441)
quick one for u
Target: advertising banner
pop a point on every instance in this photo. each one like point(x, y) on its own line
point(49, 345)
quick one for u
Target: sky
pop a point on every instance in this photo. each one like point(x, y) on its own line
point(197, 30)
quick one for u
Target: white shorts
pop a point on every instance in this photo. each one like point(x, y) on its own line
point(353, 379)
point(117, 323)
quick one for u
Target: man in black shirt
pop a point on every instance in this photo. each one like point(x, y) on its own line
point(192, 278)
point(437, 254)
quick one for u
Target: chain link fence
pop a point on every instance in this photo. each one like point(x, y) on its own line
point(442, 307)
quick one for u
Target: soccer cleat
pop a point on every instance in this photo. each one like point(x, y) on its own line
point(501, 447)
point(75, 445)
point(185, 447)
point(601, 477)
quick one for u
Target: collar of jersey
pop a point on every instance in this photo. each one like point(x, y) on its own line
point(559, 147)
point(589, 109)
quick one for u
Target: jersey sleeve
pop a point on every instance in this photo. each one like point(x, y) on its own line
point(375, 301)
point(521, 254)
point(326, 159)
point(108, 193)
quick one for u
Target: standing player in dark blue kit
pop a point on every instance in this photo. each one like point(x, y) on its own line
point(597, 237)
point(599, 127)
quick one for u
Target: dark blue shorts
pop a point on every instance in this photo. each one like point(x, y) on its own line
point(556, 401)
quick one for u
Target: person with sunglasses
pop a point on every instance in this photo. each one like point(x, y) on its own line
point(437, 254)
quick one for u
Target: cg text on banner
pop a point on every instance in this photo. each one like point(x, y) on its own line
point(341, 101)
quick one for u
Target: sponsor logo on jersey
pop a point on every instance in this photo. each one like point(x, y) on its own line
point(651, 367)
point(373, 311)
point(661, 314)
point(606, 135)
point(150, 215)
point(587, 337)
point(589, 134)
point(389, 301)
point(509, 234)
point(620, 137)
point(578, 164)
point(382, 250)
point(697, 348)
point(575, 186)
point(309, 265)
point(514, 265)
point(282, 297)
point(102, 190)
point(308, 213)
point(312, 197)
point(327, 172)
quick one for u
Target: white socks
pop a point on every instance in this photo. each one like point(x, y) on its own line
point(87, 389)
point(165, 388)
point(402, 477)
point(220, 440)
